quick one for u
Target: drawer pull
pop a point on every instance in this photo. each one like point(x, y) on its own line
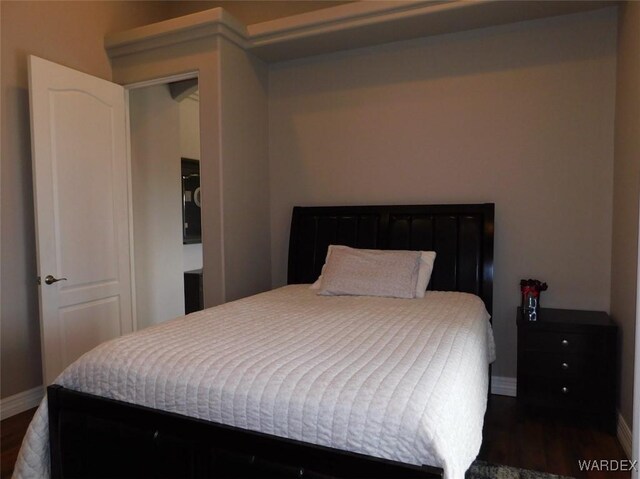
point(155, 435)
point(565, 390)
point(564, 342)
point(565, 366)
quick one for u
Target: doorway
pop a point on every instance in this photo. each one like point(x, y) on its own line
point(165, 186)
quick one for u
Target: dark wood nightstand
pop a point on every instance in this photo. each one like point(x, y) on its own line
point(566, 363)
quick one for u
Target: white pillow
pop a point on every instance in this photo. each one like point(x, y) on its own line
point(362, 272)
point(424, 274)
point(427, 259)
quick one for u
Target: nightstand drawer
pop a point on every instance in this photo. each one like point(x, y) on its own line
point(559, 392)
point(555, 341)
point(543, 363)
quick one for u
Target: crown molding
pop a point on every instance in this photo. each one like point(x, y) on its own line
point(362, 24)
point(208, 23)
point(344, 27)
point(347, 15)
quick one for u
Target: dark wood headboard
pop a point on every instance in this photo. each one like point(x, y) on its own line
point(461, 235)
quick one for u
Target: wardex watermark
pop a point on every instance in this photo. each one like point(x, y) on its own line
point(611, 465)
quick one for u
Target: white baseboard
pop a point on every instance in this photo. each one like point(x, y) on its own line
point(12, 405)
point(624, 435)
point(503, 386)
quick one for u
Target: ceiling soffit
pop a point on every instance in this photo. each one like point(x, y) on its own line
point(348, 26)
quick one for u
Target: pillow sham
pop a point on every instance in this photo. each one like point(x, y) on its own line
point(360, 272)
point(427, 258)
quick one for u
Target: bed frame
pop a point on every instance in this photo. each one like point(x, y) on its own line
point(95, 437)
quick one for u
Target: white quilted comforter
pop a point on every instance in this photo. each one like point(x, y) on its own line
point(403, 379)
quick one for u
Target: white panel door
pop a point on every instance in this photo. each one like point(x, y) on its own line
point(80, 175)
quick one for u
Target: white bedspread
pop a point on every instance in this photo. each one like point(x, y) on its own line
point(403, 379)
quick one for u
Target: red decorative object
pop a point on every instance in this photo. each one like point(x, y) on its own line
point(531, 289)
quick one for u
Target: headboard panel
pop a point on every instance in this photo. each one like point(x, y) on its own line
point(461, 235)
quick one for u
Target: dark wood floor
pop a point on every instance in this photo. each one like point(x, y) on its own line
point(12, 431)
point(519, 439)
point(511, 437)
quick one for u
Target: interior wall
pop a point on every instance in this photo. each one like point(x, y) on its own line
point(190, 128)
point(520, 115)
point(190, 148)
point(626, 194)
point(70, 33)
point(156, 204)
point(245, 172)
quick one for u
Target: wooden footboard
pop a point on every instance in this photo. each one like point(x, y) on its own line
point(95, 437)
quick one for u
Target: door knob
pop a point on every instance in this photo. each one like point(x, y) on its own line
point(50, 279)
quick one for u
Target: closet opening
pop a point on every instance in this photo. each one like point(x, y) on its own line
point(164, 119)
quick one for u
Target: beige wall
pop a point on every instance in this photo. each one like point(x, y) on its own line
point(190, 128)
point(245, 172)
point(520, 115)
point(70, 33)
point(626, 194)
point(156, 204)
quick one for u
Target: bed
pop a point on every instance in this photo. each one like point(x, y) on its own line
point(290, 384)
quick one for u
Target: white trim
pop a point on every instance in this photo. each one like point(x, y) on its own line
point(504, 386)
point(12, 405)
point(223, 270)
point(163, 80)
point(132, 264)
point(344, 27)
point(436, 17)
point(342, 17)
point(624, 435)
point(207, 23)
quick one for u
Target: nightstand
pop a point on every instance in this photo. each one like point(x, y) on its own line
point(566, 363)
